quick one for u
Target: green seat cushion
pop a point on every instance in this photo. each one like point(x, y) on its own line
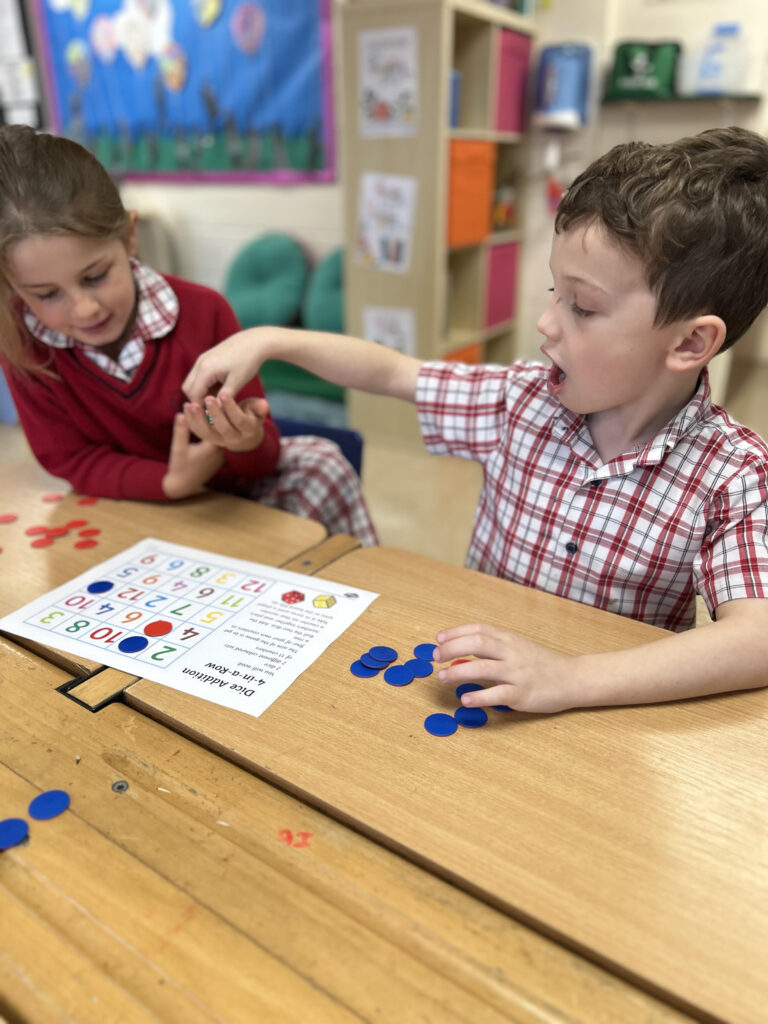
point(323, 306)
point(266, 282)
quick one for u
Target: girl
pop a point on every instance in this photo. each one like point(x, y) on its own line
point(95, 346)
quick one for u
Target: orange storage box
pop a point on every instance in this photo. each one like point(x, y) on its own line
point(468, 354)
point(470, 191)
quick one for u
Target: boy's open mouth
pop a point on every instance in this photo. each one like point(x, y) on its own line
point(555, 379)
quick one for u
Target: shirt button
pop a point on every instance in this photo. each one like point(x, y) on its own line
point(571, 547)
point(596, 483)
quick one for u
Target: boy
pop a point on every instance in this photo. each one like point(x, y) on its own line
point(609, 477)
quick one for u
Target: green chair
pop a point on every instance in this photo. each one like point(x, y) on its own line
point(266, 282)
point(322, 309)
point(323, 305)
point(270, 282)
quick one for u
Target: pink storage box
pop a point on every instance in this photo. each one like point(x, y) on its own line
point(501, 295)
point(514, 59)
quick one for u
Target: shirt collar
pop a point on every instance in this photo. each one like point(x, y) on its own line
point(689, 417)
point(157, 311)
point(572, 428)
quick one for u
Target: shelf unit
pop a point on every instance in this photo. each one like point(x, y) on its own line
point(737, 97)
point(461, 292)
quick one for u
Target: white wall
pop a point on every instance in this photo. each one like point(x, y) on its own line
point(211, 223)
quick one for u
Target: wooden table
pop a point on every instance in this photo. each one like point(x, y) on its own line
point(636, 836)
point(179, 887)
point(212, 522)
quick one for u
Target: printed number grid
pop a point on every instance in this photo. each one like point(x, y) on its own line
point(161, 603)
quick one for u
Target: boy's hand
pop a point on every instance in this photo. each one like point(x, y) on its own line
point(221, 421)
point(528, 677)
point(190, 466)
point(228, 365)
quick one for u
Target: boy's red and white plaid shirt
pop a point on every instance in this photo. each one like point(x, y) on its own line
point(157, 310)
point(639, 536)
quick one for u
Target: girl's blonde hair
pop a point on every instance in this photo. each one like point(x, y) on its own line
point(49, 185)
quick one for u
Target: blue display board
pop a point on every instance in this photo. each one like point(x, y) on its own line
point(225, 88)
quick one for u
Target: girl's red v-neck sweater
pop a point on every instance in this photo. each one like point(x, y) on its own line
point(111, 438)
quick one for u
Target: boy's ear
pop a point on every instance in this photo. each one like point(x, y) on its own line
point(132, 234)
point(701, 339)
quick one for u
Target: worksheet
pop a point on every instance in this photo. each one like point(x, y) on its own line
point(233, 632)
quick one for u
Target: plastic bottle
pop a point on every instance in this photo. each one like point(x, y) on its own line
point(717, 68)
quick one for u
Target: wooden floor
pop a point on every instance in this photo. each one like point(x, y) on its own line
point(426, 503)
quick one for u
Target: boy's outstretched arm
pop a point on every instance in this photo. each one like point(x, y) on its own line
point(730, 654)
point(338, 358)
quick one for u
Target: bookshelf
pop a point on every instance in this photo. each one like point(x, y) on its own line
point(461, 156)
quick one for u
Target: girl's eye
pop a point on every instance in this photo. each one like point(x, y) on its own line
point(95, 278)
point(46, 296)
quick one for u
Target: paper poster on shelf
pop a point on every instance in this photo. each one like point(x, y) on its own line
point(391, 326)
point(385, 212)
point(388, 76)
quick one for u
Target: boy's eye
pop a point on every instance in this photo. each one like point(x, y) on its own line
point(578, 311)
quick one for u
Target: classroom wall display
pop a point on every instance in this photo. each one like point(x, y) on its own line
point(217, 89)
point(391, 326)
point(388, 76)
point(386, 209)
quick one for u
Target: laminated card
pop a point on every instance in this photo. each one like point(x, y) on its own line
point(233, 632)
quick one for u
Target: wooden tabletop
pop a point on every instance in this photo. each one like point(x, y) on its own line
point(213, 522)
point(179, 887)
point(635, 835)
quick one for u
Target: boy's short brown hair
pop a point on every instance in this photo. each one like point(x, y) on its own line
point(695, 212)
